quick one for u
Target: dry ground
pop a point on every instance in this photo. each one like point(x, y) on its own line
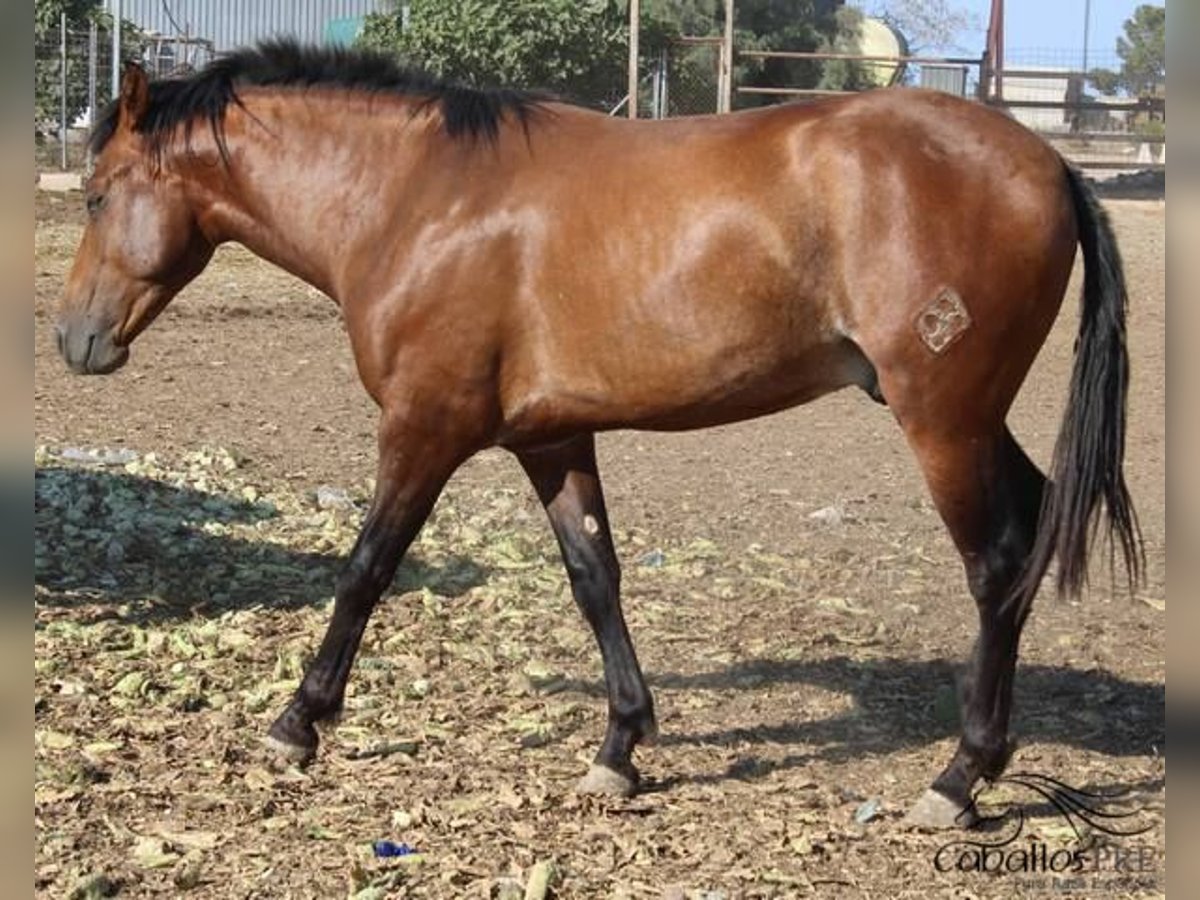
point(802, 667)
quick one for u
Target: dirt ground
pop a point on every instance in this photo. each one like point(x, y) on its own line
point(803, 666)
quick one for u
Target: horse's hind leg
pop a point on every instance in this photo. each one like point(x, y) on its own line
point(568, 484)
point(989, 494)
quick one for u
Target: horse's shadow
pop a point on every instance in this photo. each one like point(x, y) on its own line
point(904, 704)
point(119, 546)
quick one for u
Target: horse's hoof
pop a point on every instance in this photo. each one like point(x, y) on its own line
point(289, 751)
point(606, 782)
point(293, 739)
point(295, 754)
point(937, 812)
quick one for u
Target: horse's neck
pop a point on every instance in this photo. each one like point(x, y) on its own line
point(300, 184)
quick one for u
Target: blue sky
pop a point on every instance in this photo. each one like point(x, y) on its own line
point(1054, 24)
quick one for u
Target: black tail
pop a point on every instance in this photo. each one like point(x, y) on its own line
point(1091, 442)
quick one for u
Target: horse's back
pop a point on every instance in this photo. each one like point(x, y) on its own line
point(697, 271)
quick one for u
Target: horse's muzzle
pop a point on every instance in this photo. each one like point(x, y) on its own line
point(90, 349)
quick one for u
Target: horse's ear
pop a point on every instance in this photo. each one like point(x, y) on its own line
point(135, 94)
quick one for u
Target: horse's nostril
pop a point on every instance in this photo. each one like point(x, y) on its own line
point(60, 335)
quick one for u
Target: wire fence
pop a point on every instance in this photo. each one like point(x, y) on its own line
point(72, 84)
point(1062, 58)
point(73, 77)
point(692, 75)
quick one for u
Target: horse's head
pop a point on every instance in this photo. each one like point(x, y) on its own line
point(142, 242)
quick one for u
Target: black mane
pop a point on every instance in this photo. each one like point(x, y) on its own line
point(466, 111)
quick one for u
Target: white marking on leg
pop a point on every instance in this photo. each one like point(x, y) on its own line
point(590, 525)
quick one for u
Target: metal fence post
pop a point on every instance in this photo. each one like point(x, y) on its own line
point(62, 90)
point(656, 111)
point(634, 24)
point(92, 48)
point(664, 102)
point(725, 61)
point(114, 7)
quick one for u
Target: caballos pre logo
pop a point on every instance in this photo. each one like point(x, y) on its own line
point(1099, 822)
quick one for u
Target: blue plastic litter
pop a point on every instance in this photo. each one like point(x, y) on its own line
point(385, 849)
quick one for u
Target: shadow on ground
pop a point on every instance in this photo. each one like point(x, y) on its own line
point(154, 551)
point(904, 704)
point(1147, 184)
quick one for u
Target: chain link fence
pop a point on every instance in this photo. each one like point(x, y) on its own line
point(73, 76)
point(72, 84)
point(679, 79)
point(691, 74)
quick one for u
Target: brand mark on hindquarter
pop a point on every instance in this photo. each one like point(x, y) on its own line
point(943, 320)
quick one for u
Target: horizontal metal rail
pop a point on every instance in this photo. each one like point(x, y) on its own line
point(861, 57)
point(806, 92)
point(1110, 137)
point(1116, 106)
point(1118, 165)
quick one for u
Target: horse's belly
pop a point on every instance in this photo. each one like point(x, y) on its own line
point(661, 394)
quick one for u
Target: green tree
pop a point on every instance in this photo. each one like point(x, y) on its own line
point(1143, 53)
point(572, 47)
point(786, 25)
point(47, 13)
point(1143, 49)
point(789, 25)
point(578, 48)
point(846, 74)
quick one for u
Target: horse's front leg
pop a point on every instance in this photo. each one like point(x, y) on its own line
point(415, 460)
point(568, 484)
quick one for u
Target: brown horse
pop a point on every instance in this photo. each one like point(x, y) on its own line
point(519, 272)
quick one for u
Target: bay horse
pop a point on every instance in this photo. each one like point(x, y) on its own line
point(519, 272)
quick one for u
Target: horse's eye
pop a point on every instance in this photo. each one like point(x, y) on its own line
point(95, 203)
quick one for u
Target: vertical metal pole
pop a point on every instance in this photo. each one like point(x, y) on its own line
point(655, 91)
point(92, 48)
point(114, 8)
point(635, 18)
point(998, 57)
point(1087, 29)
point(721, 76)
point(62, 90)
point(725, 79)
point(664, 102)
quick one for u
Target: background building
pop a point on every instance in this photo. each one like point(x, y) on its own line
point(187, 32)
